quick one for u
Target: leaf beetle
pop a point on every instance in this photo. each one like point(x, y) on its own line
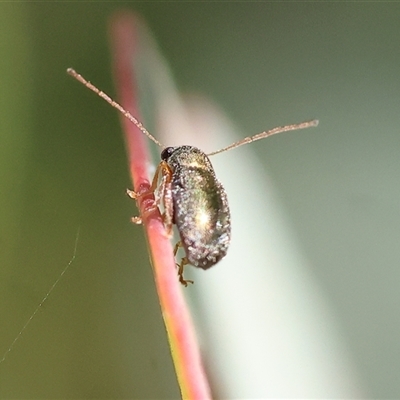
point(191, 195)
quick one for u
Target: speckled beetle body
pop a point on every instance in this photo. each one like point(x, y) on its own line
point(199, 206)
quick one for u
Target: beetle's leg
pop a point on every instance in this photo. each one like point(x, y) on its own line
point(166, 196)
point(176, 248)
point(180, 266)
point(134, 195)
point(168, 209)
point(137, 220)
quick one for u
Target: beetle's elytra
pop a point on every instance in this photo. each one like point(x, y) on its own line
point(192, 197)
point(200, 206)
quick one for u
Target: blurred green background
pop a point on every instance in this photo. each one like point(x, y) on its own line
point(63, 166)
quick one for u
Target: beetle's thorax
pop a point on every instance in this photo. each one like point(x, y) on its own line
point(186, 156)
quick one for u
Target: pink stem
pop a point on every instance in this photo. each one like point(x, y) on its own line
point(184, 348)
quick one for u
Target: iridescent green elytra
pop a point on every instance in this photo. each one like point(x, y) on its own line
point(192, 196)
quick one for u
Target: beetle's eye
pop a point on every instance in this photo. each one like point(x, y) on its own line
point(166, 153)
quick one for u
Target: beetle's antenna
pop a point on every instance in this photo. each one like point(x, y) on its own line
point(262, 135)
point(113, 103)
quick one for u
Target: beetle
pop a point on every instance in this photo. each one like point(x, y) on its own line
point(192, 197)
